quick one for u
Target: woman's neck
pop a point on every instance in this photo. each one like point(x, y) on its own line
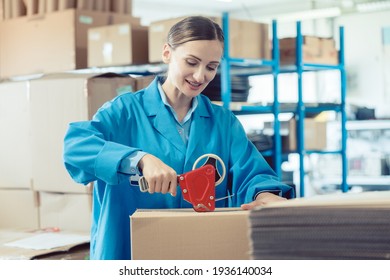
point(180, 103)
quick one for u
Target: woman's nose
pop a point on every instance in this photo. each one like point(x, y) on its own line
point(200, 75)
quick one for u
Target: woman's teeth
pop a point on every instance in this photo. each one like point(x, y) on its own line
point(194, 84)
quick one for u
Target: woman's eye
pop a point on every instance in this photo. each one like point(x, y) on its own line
point(212, 68)
point(191, 63)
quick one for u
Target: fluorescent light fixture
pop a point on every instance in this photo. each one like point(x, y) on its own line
point(373, 6)
point(308, 14)
point(227, 1)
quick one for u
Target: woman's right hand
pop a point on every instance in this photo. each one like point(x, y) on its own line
point(161, 178)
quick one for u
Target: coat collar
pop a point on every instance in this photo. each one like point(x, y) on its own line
point(161, 120)
point(153, 102)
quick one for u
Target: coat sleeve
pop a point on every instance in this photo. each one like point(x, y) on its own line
point(249, 172)
point(90, 154)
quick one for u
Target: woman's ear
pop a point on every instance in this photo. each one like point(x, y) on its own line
point(166, 53)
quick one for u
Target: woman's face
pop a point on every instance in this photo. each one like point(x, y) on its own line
point(193, 65)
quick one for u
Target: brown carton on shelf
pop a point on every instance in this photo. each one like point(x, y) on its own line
point(66, 211)
point(54, 42)
point(50, 43)
point(219, 235)
point(19, 209)
point(15, 148)
point(315, 134)
point(314, 50)
point(119, 44)
point(55, 101)
point(122, 6)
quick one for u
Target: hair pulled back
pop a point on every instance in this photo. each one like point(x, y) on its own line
point(194, 28)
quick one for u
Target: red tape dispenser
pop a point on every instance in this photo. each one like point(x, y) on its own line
point(198, 188)
point(198, 185)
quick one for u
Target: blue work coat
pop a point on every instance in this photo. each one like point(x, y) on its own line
point(140, 121)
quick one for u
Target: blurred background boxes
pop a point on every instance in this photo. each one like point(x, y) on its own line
point(19, 209)
point(35, 115)
point(17, 8)
point(66, 98)
point(15, 147)
point(52, 42)
point(315, 133)
point(30, 210)
point(119, 44)
point(66, 211)
point(314, 50)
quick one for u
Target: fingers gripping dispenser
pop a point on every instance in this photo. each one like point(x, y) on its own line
point(198, 185)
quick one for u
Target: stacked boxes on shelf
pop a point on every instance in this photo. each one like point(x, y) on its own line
point(36, 190)
point(315, 134)
point(18, 8)
point(118, 44)
point(314, 50)
point(56, 40)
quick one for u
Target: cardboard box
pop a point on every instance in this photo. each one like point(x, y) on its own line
point(247, 39)
point(69, 212)
point(122, 6)
point(54, 42)
point(6, 9)
point(183, 234)
point(15, 148)
point(32, 7)
point(1, 10)
point(86, 4)
point(50, 43)
point(19, 209)
point(315, 133)
point(119, 44)
point(57, 100)
point(314, 50)
point(144, 81)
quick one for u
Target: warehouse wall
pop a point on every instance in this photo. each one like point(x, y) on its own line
point(367, 60)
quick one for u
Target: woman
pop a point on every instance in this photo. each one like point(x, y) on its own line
point(162, 130)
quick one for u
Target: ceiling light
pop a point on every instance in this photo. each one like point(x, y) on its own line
point(309, 14)
point(373, 6)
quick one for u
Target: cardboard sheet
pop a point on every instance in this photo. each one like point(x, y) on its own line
point(65, 242)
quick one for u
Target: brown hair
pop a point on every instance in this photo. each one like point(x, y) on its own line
point(194, 28)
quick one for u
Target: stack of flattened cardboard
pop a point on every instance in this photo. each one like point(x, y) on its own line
point(343, 226)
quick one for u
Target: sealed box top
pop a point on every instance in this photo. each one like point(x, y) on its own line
point(183, 234)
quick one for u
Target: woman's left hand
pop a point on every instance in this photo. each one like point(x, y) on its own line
point(262, 199)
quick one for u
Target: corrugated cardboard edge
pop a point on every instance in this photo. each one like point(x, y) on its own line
point(13, 253)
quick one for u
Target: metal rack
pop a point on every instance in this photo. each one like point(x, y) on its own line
point(231, 65)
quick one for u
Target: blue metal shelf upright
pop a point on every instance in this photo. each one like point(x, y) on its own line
point(226, 86)
point(302, 67)
point(300, 110)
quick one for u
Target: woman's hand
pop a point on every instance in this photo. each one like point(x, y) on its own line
point(160, 177)
point(262, 199)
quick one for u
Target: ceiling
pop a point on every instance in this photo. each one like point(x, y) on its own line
point(258, 10)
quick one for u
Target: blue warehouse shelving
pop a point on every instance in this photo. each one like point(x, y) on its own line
point(272, 67)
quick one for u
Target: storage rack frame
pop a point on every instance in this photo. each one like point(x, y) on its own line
point(273, 67)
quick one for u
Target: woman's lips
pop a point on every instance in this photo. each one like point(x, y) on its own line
point(194, 85)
